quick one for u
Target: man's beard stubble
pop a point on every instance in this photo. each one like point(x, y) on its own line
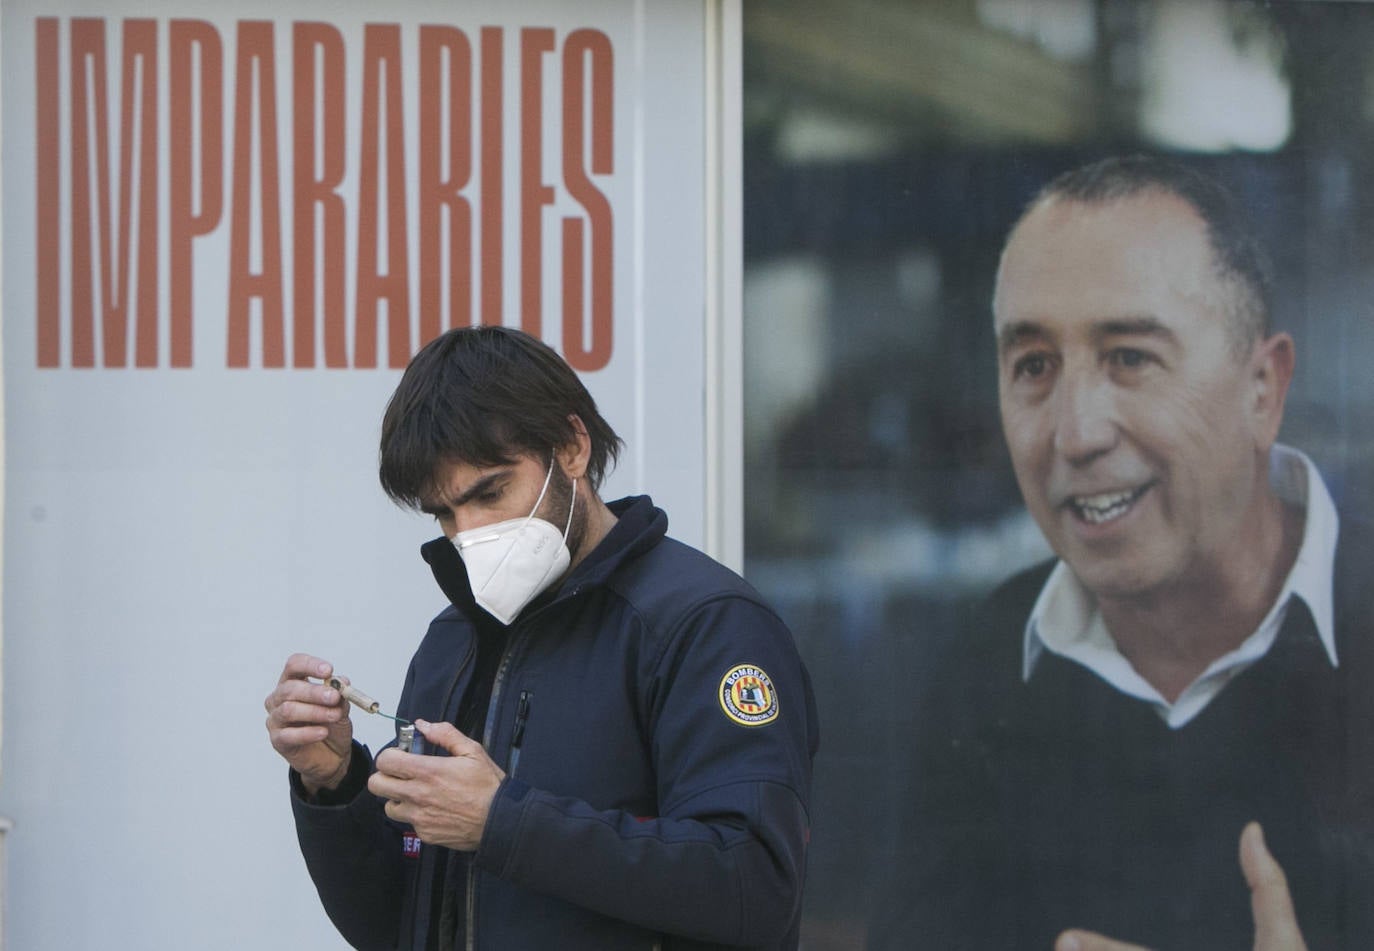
point(556, 511)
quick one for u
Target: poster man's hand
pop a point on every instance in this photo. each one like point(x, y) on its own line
point(1276, 923)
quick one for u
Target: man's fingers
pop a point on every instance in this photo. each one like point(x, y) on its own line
point(395, 772)
point(307, 711)
point(396, 811)
point(1091, 941)
point(295, 737)
point(400, 765)
point(293, 685)
point(1276, 924)
point(290, 699)
point(300, 666)
point(447, 737)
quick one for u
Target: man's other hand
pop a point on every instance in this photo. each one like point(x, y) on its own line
point(308, 723)
point(1276, 923)
point(445, 799)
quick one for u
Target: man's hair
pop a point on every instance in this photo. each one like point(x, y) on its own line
point(484, 396)
point(1237, 254)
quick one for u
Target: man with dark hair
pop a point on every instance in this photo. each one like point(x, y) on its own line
point(1198, 658)
point(623, 731)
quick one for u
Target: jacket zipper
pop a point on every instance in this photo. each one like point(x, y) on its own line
point(493, 704)
point(522, 713)
point(513, 646)
point(427, 860)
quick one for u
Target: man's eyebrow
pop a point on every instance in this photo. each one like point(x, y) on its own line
point(442, 507)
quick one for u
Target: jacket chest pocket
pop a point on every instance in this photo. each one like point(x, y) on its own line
point(524, 702)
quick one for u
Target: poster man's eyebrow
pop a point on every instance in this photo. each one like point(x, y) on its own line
point(1018, 332)
point(1140, 326)
point(1143, 325)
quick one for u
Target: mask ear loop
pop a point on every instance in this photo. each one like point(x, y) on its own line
point(566, 528)
point(572, 503)
point(544, 491)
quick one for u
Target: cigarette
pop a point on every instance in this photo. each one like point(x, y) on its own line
point(354, 696)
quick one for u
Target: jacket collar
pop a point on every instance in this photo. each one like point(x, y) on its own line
point(640, 525)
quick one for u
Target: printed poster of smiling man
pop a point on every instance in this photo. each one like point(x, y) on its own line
point(1163, 390)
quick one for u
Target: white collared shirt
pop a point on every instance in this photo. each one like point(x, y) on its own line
point(1065, 619)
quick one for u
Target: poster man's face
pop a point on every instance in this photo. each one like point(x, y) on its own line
point(1130, 416)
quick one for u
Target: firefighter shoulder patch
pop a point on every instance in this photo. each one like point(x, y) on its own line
point(747, 697)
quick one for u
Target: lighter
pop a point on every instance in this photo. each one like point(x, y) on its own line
point(409, 739)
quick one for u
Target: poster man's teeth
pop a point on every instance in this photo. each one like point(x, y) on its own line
point(1103, 508)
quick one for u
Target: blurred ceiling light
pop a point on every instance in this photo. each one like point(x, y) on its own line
point(1213, 78)
point(1064, 29)
point(813, 135)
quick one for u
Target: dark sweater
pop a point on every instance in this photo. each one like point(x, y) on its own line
point(1060, 802)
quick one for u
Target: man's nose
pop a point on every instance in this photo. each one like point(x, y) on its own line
point(1085, 422)
point(455, 523)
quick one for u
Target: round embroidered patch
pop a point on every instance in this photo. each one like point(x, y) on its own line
point(747, 697)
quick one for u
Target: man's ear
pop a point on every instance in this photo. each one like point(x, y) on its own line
point(1271, 371)
point(577, 452)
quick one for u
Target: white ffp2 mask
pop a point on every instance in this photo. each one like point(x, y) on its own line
point(510, 563)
